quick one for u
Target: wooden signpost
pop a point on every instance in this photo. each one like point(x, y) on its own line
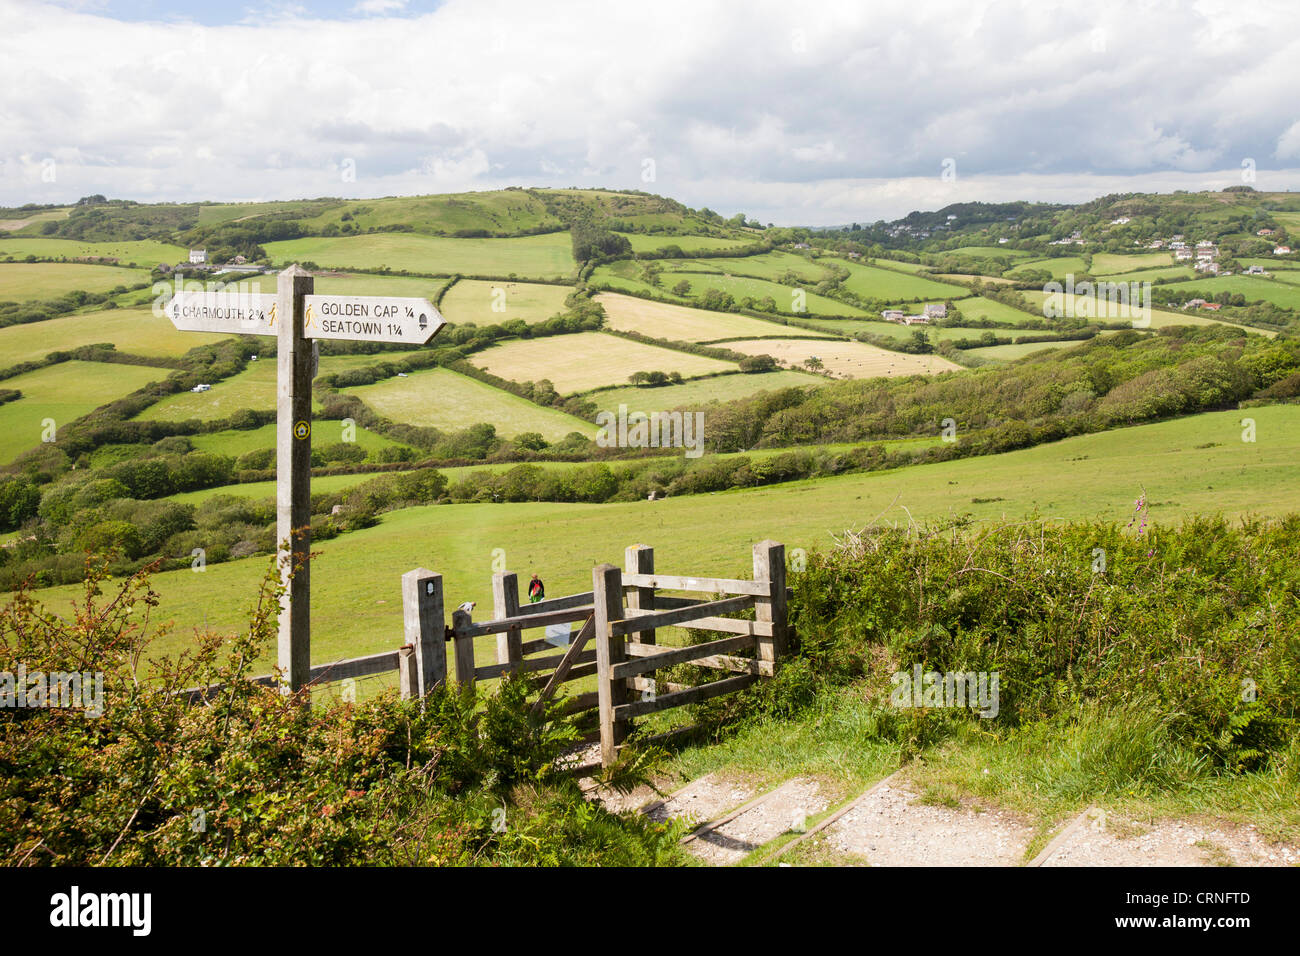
point(296, 317)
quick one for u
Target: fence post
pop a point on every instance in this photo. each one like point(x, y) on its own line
point(769, 565)
point(640, 559)
point(464, 649)
point(607, 596)
point(505, 603)
point(425, 622)
point(407, 672)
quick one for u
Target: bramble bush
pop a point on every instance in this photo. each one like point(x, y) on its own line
point(1197, 626)
point(257, 777)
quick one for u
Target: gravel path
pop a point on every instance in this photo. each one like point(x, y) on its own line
point(785, 809)
point(890, 828)
point(1108, 841)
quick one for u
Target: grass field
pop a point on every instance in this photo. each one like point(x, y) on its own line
point(235, 442)
point(1191, 465)
point(990, 252)
point(64, 392)
point(1058, 267)
point(740, 287)
point(1105, 263)
point(913, 267)
point(359, 283)
point(478, 302)
point(977, 307)
point(1151, 275)
point(1159, 317)
point(681, 323)
point(1009, 353)
point(893, 330)
point(1284, 294)
point(967, 277)
point(136, 331)
point(24, 281)
point(144, 252)
point(48, 215)
point(888, 285)
point(769, 265)
point(722, 388)
point(649, 243)
point(846, 359)
point(253, 388)
point(545, 257)
point(444, 399)
point(587, 360)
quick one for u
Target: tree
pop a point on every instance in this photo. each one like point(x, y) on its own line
point(682, 288)
point(813, 363)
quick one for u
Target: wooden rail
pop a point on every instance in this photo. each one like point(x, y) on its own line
point(617, 642)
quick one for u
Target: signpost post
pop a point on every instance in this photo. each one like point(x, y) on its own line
point(297, 317)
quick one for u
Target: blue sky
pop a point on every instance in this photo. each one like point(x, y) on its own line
point(226, 14)
point(831, 112)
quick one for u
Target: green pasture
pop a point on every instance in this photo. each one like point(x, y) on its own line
point(740, 287)
point(143, 252)
point(235, 442)
point(700, 391)
point(886, 285)
point(1193, 465)
point(63, 392)
point(548, 256)
point(1105, 263)
point(651, 242)
point(491, 303)
point(24, 281)
point(135, 331)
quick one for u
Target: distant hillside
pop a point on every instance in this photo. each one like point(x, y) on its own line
point(228, 229)
point(1113, 223)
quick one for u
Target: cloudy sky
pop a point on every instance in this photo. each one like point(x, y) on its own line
point(791, 112)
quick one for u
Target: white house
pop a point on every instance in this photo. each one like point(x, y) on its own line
point(198, 257)
point(936, 311)
point(1282, 251)
point(892, 315)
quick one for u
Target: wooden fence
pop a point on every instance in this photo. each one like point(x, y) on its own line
point(616, 641)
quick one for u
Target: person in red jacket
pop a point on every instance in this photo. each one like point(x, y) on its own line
point(536, 590)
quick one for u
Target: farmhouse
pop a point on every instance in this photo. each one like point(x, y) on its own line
point(892, 315)
point(1282, 251)
point(915, 320)
point(198, 257)
point(936, 311)
point(1265, 232)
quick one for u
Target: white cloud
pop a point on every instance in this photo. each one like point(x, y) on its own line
point(379, 7)
point(834, 113)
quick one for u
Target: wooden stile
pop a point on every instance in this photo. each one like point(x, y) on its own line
point(769, 567)
point(640, 559)
point(424, 619)
point(505, 604)
point(607, 586)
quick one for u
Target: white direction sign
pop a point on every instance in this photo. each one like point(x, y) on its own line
point(358, 317)
point(370, 318)
point(245, 313)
